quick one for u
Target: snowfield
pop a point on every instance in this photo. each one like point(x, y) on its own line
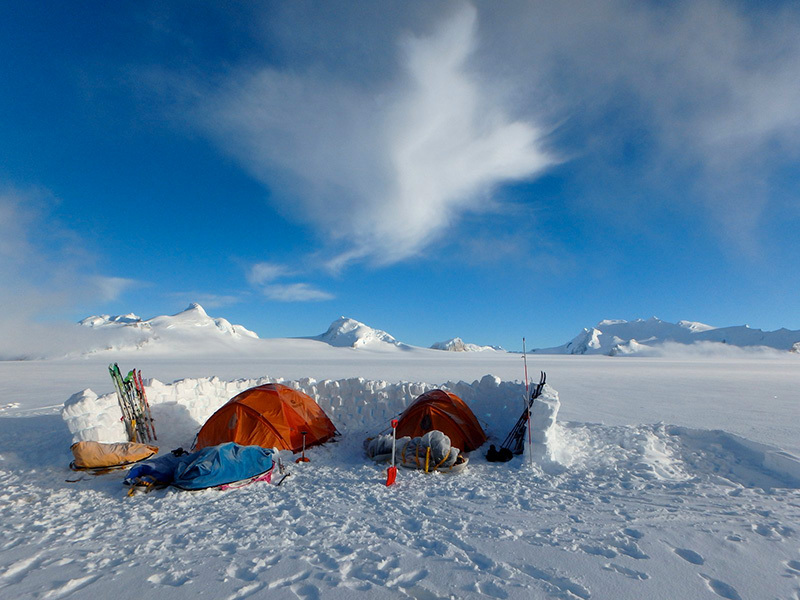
point(661, 478)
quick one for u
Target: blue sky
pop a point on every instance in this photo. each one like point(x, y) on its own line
point(435, 170)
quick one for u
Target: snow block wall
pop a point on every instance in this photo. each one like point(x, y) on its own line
point(545, 437)
point(180, 408)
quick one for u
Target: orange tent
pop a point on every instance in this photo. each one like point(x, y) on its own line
point(271, 415)
point(446, 412)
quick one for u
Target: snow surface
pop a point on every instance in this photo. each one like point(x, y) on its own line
point(654, 337)
point(649, 478)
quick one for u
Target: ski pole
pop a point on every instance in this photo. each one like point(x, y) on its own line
point(527, 404)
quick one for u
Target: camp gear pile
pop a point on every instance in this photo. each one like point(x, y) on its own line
point(217, 466)
point(430, 452)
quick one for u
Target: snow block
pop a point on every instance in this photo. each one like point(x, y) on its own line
point(181, 407)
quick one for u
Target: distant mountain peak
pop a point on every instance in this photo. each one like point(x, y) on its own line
point(191, 327)
point(456, 344)
point(349, 333)
point(100, 320)
point(695, 326)
point(196, 308)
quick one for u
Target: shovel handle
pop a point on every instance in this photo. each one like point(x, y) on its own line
point(391, 473)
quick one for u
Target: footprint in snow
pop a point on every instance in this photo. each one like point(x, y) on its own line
point(306, 591)
point(793, 566)
point(556, 583)
point(690, 556)
point(18, 570)
point(68, 587)
point(772, 531)
point(409, 579)
point(598, 550)
point(720, 588)
point(633, 533)
point(629, 548)
point(488, 588)
point(289, 581)
point(630, 573)
point(172, 578)
point(246, 591)
point(325, 561)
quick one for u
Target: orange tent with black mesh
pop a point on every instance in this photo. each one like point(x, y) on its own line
point(445, 412)
point(271, 415)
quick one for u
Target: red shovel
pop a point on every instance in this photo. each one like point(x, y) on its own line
point(391, 473)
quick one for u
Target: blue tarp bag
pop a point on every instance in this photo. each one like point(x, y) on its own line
point(159, 470)
point(210, 467)
point(221, 465)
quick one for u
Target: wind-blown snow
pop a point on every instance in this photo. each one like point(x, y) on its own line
point(654, 337)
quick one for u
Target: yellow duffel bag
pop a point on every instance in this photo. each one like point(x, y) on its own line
point(98, 455)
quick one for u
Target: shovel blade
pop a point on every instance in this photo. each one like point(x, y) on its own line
point(391, 475)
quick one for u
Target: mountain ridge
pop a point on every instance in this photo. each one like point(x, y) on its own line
point(620, 337)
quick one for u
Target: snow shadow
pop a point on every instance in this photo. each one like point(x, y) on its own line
point(34, 442)
point(36, 450)
point(175, 426)
point(737, 459)
point(642, 454)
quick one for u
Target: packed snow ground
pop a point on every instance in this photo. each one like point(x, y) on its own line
point(661, 479)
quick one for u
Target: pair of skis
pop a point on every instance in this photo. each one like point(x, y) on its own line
point(515, 440)
point(134, 405)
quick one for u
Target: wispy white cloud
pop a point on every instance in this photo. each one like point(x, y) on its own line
point(264, 272)
point(111, 288)
point(295, 292)
point(703, 92)
point(698, 97)
point(383, 167)
point(39, 280)
point(264, 277)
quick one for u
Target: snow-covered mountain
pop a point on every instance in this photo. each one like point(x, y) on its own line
point(349, 333)
point(458, 345)
point(193, 318)
point(194, 331)
point(618, 337)
point(191, 327)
